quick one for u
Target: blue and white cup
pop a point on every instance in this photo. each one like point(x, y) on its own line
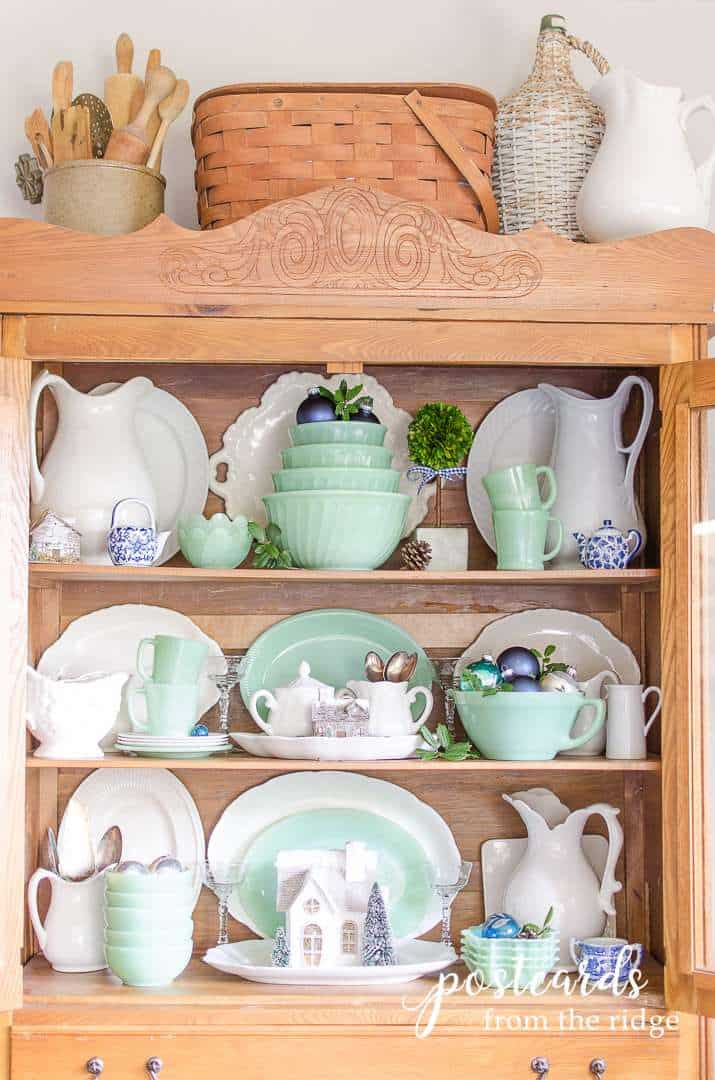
point(599, 956)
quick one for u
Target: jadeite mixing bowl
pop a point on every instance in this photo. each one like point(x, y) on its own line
point(336, 480)
point(338, 456)
point(338, 431)
point(177, 920)
point(525, 727)
point(339, 530)
point(143, 939)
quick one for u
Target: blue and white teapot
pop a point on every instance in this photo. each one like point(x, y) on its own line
point(608, 548)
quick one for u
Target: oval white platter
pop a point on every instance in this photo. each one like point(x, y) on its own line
point(154, 811)
point(252, 445)
point(252, 960)
point(322, 748)
point(107, 640)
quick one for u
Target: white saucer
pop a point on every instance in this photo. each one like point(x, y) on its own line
point(322, 748)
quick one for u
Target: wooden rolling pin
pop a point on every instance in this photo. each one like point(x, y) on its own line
point(70, 123)
point(123, 91)
point(130, 144)
point(169, 109)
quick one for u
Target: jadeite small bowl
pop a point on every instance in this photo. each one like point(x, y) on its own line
point(354, 432)
point(149, 884)
point(215, 543)
point(181, 903)
point(176, 920)
point(143, 939)
point(339, 530)
point(337, 456)
point(336, 480)
point(157, 965)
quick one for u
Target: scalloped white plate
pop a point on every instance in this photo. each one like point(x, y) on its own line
point(251, 450)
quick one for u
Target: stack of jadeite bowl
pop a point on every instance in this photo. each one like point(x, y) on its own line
point(148, 926)
point(336, 499)
point(504, 962)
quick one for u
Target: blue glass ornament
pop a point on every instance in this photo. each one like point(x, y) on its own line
point(199, 729)
point(314, 408)
point(485, 675)
point(501, 925)
point(522, 684)
point(516, 661)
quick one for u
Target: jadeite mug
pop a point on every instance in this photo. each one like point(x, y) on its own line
point(391, 704)
point(517, 488)
point(176, 659)
point(626, 728)
point(601, 956)
point(171, 708)
point(521, 539)
point(72, 936)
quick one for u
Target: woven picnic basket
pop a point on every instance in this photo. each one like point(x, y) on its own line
point(431, 143)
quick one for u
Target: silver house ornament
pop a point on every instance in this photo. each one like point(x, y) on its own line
point(54, 540)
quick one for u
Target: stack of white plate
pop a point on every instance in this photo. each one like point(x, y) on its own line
point(172, 746)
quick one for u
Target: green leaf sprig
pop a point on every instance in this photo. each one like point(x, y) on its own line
point(531, 930)
point(545, 659)
point(269, 552)
point(345, 400)
point(443, 745)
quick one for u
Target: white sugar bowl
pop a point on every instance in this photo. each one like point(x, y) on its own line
point(68, 717)
point(290, 709)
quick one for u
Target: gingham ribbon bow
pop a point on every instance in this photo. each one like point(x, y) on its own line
point(426, 475)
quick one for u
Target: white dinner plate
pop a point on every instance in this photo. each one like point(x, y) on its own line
point(107, 640)
point(322, 748)
point(154, 811)
point(252, 960)
point(175, 452)
point(518, 430)
point(579, 639)
point(252, 445)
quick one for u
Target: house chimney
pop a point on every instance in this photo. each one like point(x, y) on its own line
point(355, 861)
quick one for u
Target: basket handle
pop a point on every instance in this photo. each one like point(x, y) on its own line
point(474, 176)
point(597, 59)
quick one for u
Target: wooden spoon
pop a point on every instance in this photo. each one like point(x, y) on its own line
point(37, 131)
point(153, 61)
point(169, 109)
point(61, 101)
point(130, 143)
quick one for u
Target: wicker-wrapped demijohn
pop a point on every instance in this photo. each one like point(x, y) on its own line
point(547, 135)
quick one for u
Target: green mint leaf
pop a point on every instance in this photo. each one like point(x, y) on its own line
point(427, 755)
point(325, 392)
point(549, 650)
point(256, 530)
point(444, 735)
point(273, 533)
point(429, 737)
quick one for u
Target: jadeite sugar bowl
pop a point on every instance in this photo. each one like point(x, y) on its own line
point(338, 431)
point(336, 479)
point(339, 530)
point(525, 727)
point(155, 965)
point(216, 543)
point(336, 456)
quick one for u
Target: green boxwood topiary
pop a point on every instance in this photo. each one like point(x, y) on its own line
point(439, 436)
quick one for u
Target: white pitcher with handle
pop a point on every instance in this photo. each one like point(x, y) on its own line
point(72, 935)
point(594, 467)
point(554, 872)
point(94, 459)
point(643, 177)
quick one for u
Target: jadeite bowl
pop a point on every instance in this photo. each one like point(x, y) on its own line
point(182, 902)
point(143, 920)
point(337, 456)
point(336, 480)
point(354, 432)
point(524, 727)
point(143, 939)
point(150, 884)
point(153, 966)
point(216, 543)
point(339, 530)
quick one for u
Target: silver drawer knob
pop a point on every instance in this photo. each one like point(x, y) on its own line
point(153, 1067)
point(95, 1066)
point(597, 1067)
point(540, 1066)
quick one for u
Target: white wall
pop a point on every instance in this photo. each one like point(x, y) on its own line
point(214, 42)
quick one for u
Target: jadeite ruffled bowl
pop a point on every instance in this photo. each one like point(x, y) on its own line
point(217, 542)
point(339, 530)
point(327, 479)
point(354, 432)
point(336, 456)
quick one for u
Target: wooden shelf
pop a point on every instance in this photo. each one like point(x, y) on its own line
point(241, 762)
point(51, 573)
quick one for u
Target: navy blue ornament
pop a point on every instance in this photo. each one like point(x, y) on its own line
point(315, 408)
point(501, 925)
point(522, 684)
point(365, 415)
point(517, 660)
point(481, 675)
point(199, 729)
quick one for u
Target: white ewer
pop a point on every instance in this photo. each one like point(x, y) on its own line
point(72, 936)
point(626, 726)
point(391, 706)
point(290, 709)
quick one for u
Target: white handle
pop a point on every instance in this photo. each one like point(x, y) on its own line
point(411, 697)
point(133, 718)
point(656, 710)
point(704, 171)
point(37, 480)
point(257, 718)
point(637, 445)
point(609, 885)
point(137, 502)
point(32, 888)
point(216, 485)
point(575, 945)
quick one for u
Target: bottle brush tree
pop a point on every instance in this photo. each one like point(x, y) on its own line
point(377, 947)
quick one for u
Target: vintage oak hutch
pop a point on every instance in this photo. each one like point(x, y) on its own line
point(340, 279)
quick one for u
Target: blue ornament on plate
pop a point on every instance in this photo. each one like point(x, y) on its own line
point(501, 925)
point(522, 684)
point(483, 674)
point(518, 660)
point(315, 408)
point(199, 729)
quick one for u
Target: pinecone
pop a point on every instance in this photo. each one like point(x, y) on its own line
point(416, 555)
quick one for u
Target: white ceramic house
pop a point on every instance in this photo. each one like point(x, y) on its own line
point(324, 896)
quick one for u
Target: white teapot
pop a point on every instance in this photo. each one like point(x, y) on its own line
point(68, 717)
point(390, 706)
point(290, 709)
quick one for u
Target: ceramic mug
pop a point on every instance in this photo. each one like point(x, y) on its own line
point(176, 659)
point(72, 936)
point(171, 708)
point(600, 956)
point(521, 539)
point(627, 727)
point(517, 488)
point(390, 705)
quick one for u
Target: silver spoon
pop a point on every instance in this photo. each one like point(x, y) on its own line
point(396, 666)
point(109, 850)
point(53, 856)
point(374, 667)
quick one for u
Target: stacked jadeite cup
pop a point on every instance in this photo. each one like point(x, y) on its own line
point(336, 498)
point(148, 926)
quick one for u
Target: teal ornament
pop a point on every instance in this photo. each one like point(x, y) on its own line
point(501, 925)
point(199, 729)
point(483, 674)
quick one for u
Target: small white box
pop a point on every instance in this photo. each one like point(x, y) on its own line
point(450, 548)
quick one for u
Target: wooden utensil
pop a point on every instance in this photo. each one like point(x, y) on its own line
point(130, 143)
point(37, 131)
point(123, 91)
point(169, 109)
point(61, 101)
point(152, 63)
point(100, 122)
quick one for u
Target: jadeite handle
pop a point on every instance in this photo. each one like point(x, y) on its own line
point(252, 708)
point(557, 546)
point(37, 480)
point(133, 719)
point(32, 887)
point(411, 697)
point(546, 470)
point(598, 721)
